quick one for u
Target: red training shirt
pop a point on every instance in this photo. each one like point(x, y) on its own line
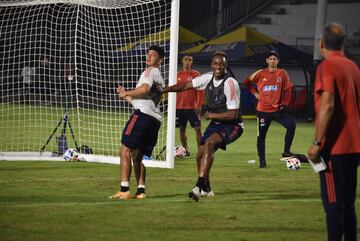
point(274, 89)
point(339, 75)
point(188, 99)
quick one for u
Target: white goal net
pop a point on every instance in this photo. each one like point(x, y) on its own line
point(60, 64)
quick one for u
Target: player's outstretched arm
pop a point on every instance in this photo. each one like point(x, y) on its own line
point(178, 87)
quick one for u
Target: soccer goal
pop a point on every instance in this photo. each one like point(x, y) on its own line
point(61, 62)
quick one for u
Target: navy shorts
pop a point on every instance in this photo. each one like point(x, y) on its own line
point(141, 132)
point(185, 115)
point(229, 131)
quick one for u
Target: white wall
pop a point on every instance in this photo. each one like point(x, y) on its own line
point(299, 22)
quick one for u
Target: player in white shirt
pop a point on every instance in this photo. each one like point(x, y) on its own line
point(140, 134)
point(222, 107)
point(230, 85)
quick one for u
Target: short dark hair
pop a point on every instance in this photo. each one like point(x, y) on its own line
point(219, 53)
point(333, 36)
point(273, 52)
point(158, 49)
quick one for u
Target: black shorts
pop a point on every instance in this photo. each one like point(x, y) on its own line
point(185, 115)
point(228, 131)
point(141, 132)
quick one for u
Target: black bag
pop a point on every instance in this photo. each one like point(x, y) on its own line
point(86, 149)
point(302, 158)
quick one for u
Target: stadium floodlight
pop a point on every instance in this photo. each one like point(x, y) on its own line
point(68, 56)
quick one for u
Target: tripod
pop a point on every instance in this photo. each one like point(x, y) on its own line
point(61, 140)
point(62, 143)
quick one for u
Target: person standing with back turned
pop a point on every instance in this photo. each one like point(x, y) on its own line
point(337, 136)
point(188, 103)
point(274, 94)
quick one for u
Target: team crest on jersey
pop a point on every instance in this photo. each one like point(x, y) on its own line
point(279, 79)
point(264, 79)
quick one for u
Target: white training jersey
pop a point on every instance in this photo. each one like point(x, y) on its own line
point(231, 88)
point(149, 103)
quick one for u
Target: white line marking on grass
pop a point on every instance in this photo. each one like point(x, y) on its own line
point(149, 200)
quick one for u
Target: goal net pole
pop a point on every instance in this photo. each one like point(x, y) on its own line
point(174, 37)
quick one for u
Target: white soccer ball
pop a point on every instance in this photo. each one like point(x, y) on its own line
point(293, 163)
point(179, 151)
point(71, 155)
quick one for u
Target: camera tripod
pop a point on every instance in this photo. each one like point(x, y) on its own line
point(62, 143)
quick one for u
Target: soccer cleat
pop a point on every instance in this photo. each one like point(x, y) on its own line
point(121, 195)
point(207, 193)
point(195, 194)
point(287, 154)
point(187, 153)
point(262, 164)
point(139, 195)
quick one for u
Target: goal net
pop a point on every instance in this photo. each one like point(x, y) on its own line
point(61, 62)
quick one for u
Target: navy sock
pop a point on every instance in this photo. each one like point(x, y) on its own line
point(200, 182)
point(124, 189)
point(207, 187)
point(140, 190)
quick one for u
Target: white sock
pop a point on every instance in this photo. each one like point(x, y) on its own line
point(124, 184)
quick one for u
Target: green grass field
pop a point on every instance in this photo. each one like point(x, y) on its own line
point(68, 201)
point(26, 128)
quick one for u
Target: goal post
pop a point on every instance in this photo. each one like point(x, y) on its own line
point(60, 64)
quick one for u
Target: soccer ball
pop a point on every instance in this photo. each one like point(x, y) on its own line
point(71, 155)
point(147, 158)
point(179, 151)
point(293, 163)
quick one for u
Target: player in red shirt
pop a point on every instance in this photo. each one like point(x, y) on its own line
point(273, 90)
point(188, 103)
point(337, 136)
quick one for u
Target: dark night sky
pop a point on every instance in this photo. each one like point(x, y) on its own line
point(196, 11)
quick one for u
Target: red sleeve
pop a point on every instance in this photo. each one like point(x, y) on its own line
point(288, 90)
point(287, 97)
point(250, 83)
